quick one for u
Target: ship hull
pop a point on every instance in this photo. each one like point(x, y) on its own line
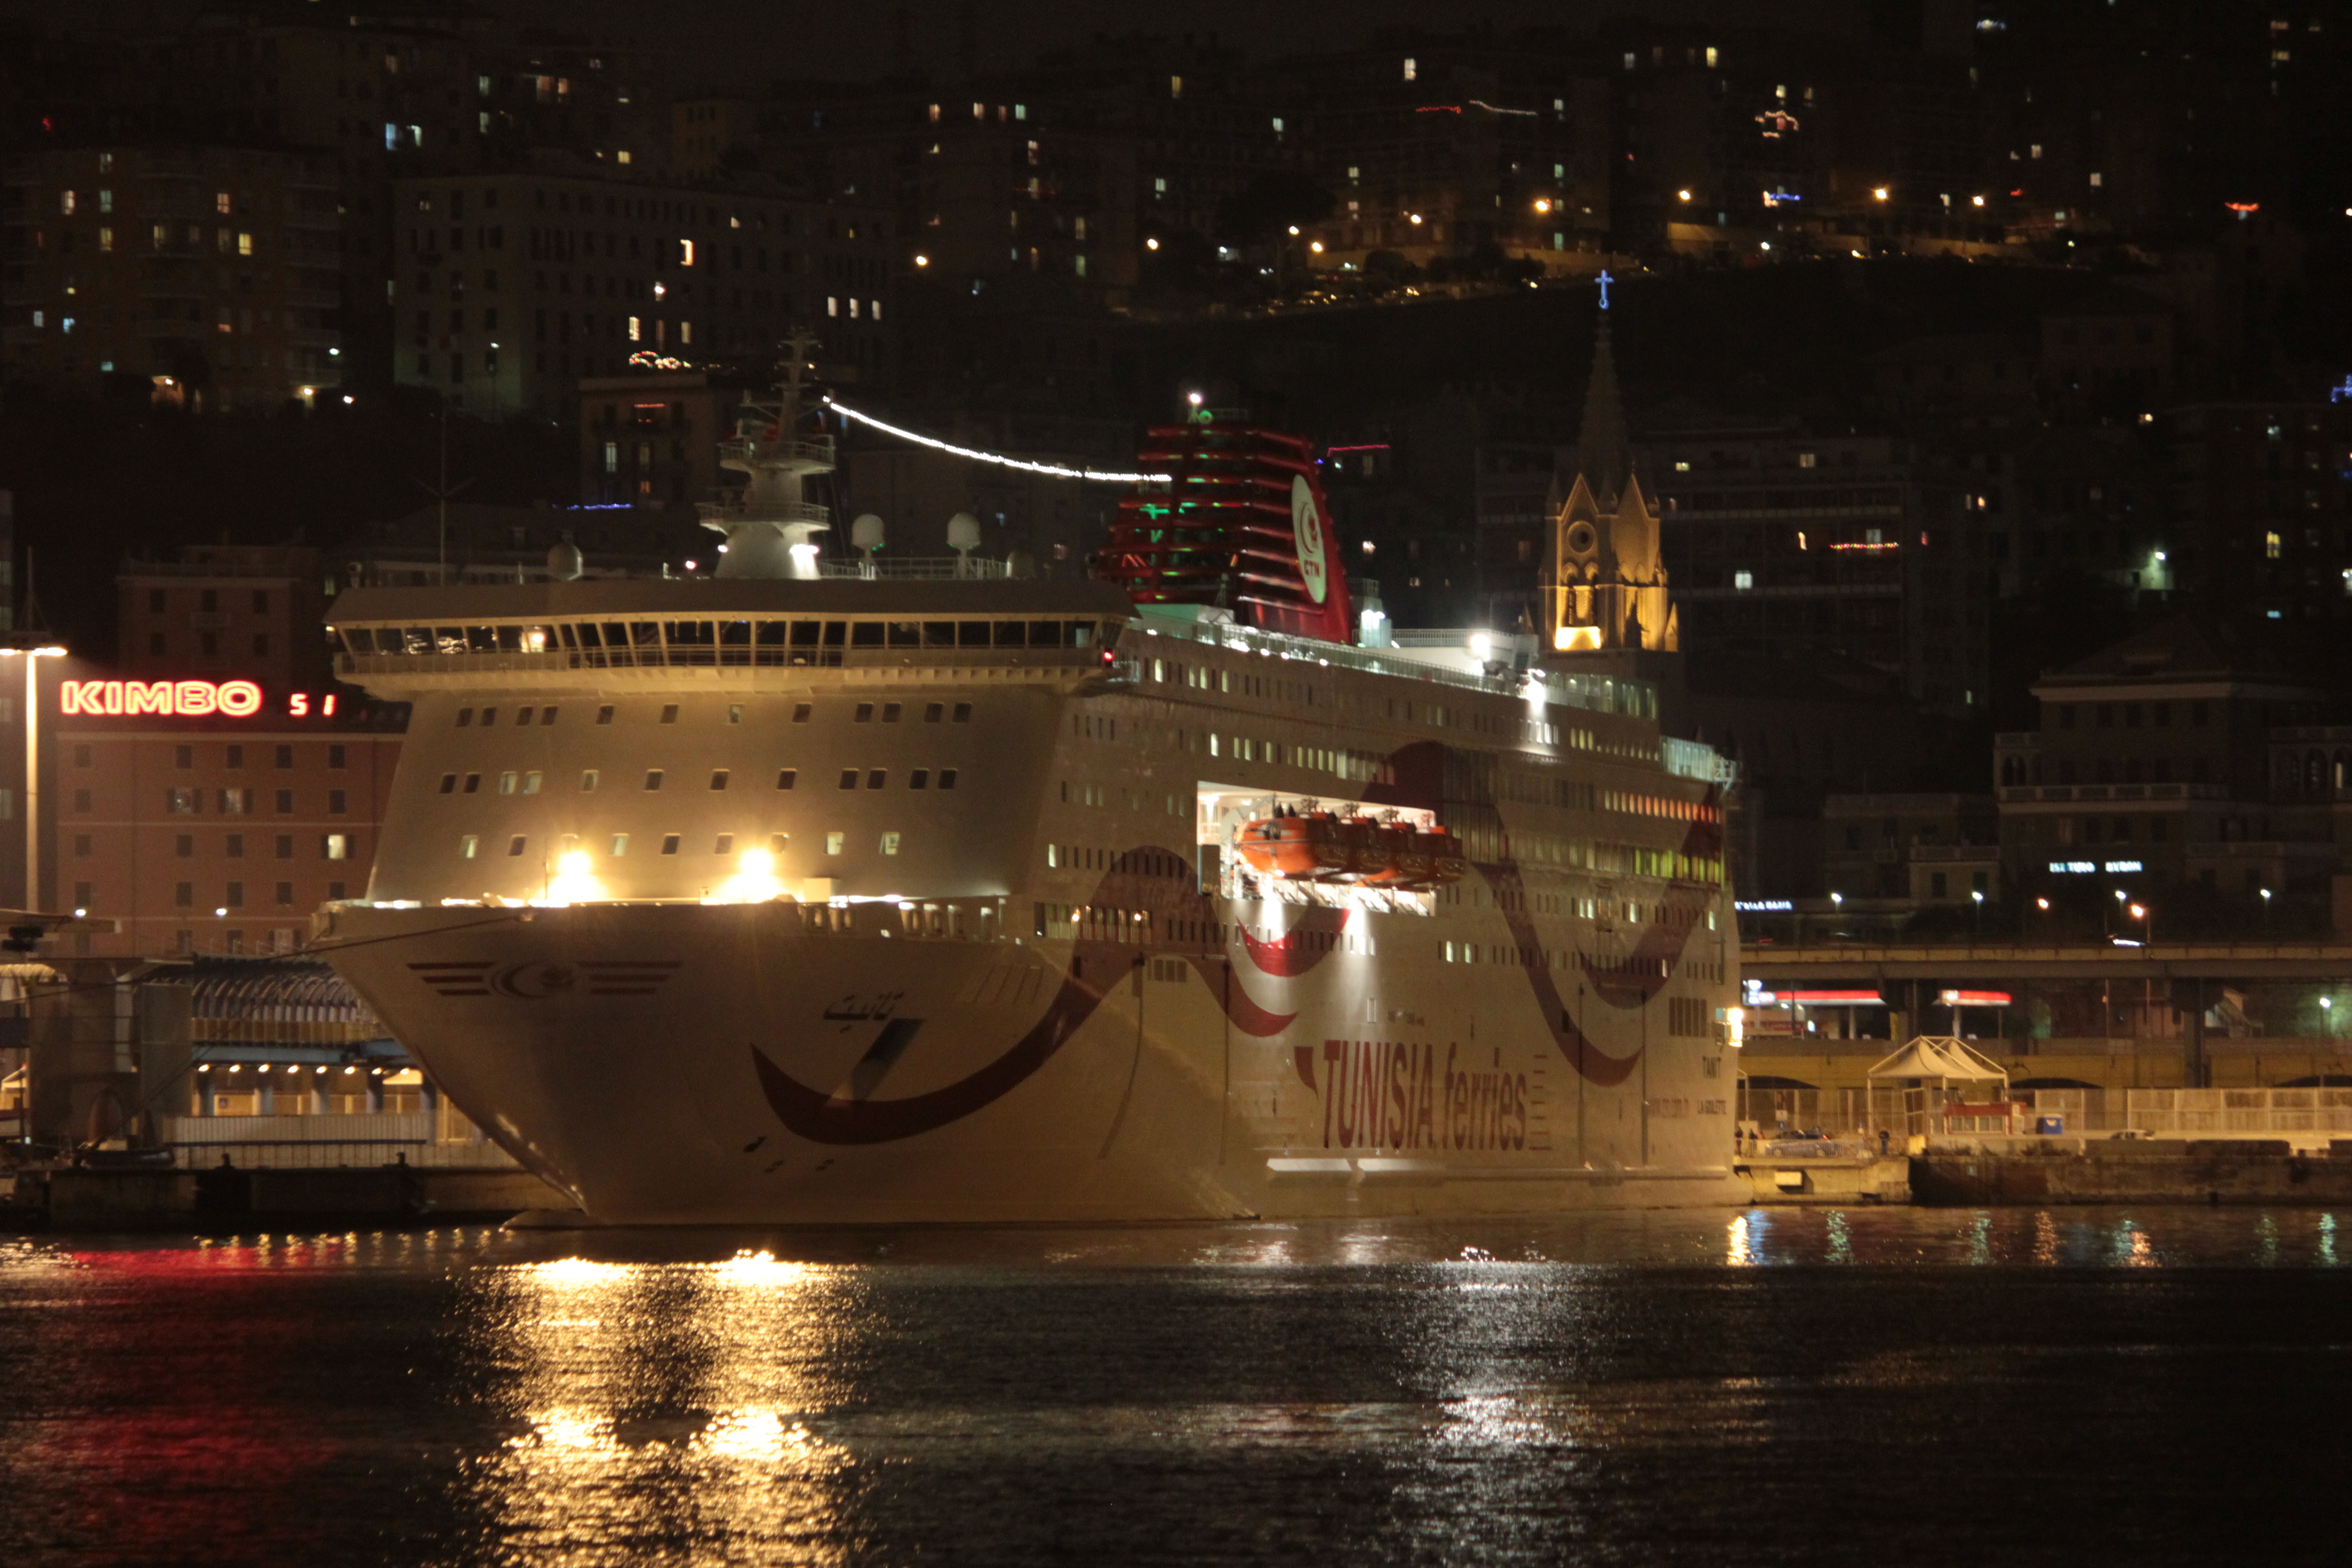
point(743, 1063)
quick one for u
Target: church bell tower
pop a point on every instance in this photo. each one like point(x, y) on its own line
point(1604, 582)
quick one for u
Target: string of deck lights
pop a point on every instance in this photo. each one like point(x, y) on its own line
point(1053, 469)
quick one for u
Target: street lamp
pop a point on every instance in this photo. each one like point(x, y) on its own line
point(2266, 908)
point(1976, 897)
point(32, 765)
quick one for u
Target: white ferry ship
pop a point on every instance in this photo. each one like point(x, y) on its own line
point(838, 893)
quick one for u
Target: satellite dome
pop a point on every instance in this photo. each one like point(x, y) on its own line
point(564, 563)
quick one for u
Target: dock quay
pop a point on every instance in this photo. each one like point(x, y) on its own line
point(1823, 1171)
point(160, 1198)
point(1997, 1171)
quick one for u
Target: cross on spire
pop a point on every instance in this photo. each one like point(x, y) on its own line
point(1604, 287)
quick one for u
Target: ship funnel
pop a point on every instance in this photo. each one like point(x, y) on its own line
point(564, 563)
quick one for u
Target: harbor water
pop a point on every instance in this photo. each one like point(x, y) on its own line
point(1773, 1386)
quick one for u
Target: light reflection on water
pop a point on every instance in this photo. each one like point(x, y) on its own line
point(1607, 1387)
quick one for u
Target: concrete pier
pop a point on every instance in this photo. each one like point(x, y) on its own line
point(1841, 1176)
point(1995, 1171)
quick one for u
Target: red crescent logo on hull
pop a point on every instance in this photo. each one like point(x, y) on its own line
point(1151, 881)
point(1421, 775)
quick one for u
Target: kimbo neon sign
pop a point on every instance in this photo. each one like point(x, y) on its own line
point(184, 699)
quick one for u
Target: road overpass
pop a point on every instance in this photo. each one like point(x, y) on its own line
point(1827, 964)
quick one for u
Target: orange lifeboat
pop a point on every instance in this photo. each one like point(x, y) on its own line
point(1446, 863)
point(1278, 845)
point(1368, 849)
point(1401, 864)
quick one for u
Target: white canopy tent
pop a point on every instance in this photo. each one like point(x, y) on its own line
point(1909, 1089)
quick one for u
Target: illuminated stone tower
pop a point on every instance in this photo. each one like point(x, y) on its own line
point(1604, 583)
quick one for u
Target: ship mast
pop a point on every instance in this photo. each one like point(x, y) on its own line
point(771, 527)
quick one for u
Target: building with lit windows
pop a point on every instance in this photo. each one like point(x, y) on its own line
point(212, 827)
point(2153, 767)
point(2262, 500)
point(509, 289)
point(211, 787)
point(209, 273)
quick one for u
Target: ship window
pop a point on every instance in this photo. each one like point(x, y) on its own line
point(546, 716)
point(1009, 634)
point(735, 634)
point(416, 639)
point(465, 717)
point(865, 714)
point(889, 844)
point(669, 843)
point(725, 845)
point(939, 634)
point(971, 634)
point(571, 637)
point(863, 634)
point(652, 778)
point(514, 845)
point(620, 844)
point(669, 713)
point(772, 634)
point(505, 783)
point(604, 714)
point(481, 639)
point(934, 711)
point(646, 634)
point(963, 712)
point(1045, 634)
point(801, 712)
point(530, 782)
point(616, 635)
point(776, 842)
point(890, 712)
point(718, 778)
point(691, 641)
point(787, 777)
point(849, 778)
point(833, 843)
point(522, 717)
point(449, 639)
point(734, 712)
point(920, 779)
point(876, 778)
point(448, 784)
point(489, 717)
point(473, 783)
point(468, 846)
point(947, 778)
point(588, 637)
point(588, 782)
point(906, 634)
point(510, 639)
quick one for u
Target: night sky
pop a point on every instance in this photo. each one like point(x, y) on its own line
point(736, 45)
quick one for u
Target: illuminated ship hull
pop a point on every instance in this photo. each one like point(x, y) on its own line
point(1051, 992)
